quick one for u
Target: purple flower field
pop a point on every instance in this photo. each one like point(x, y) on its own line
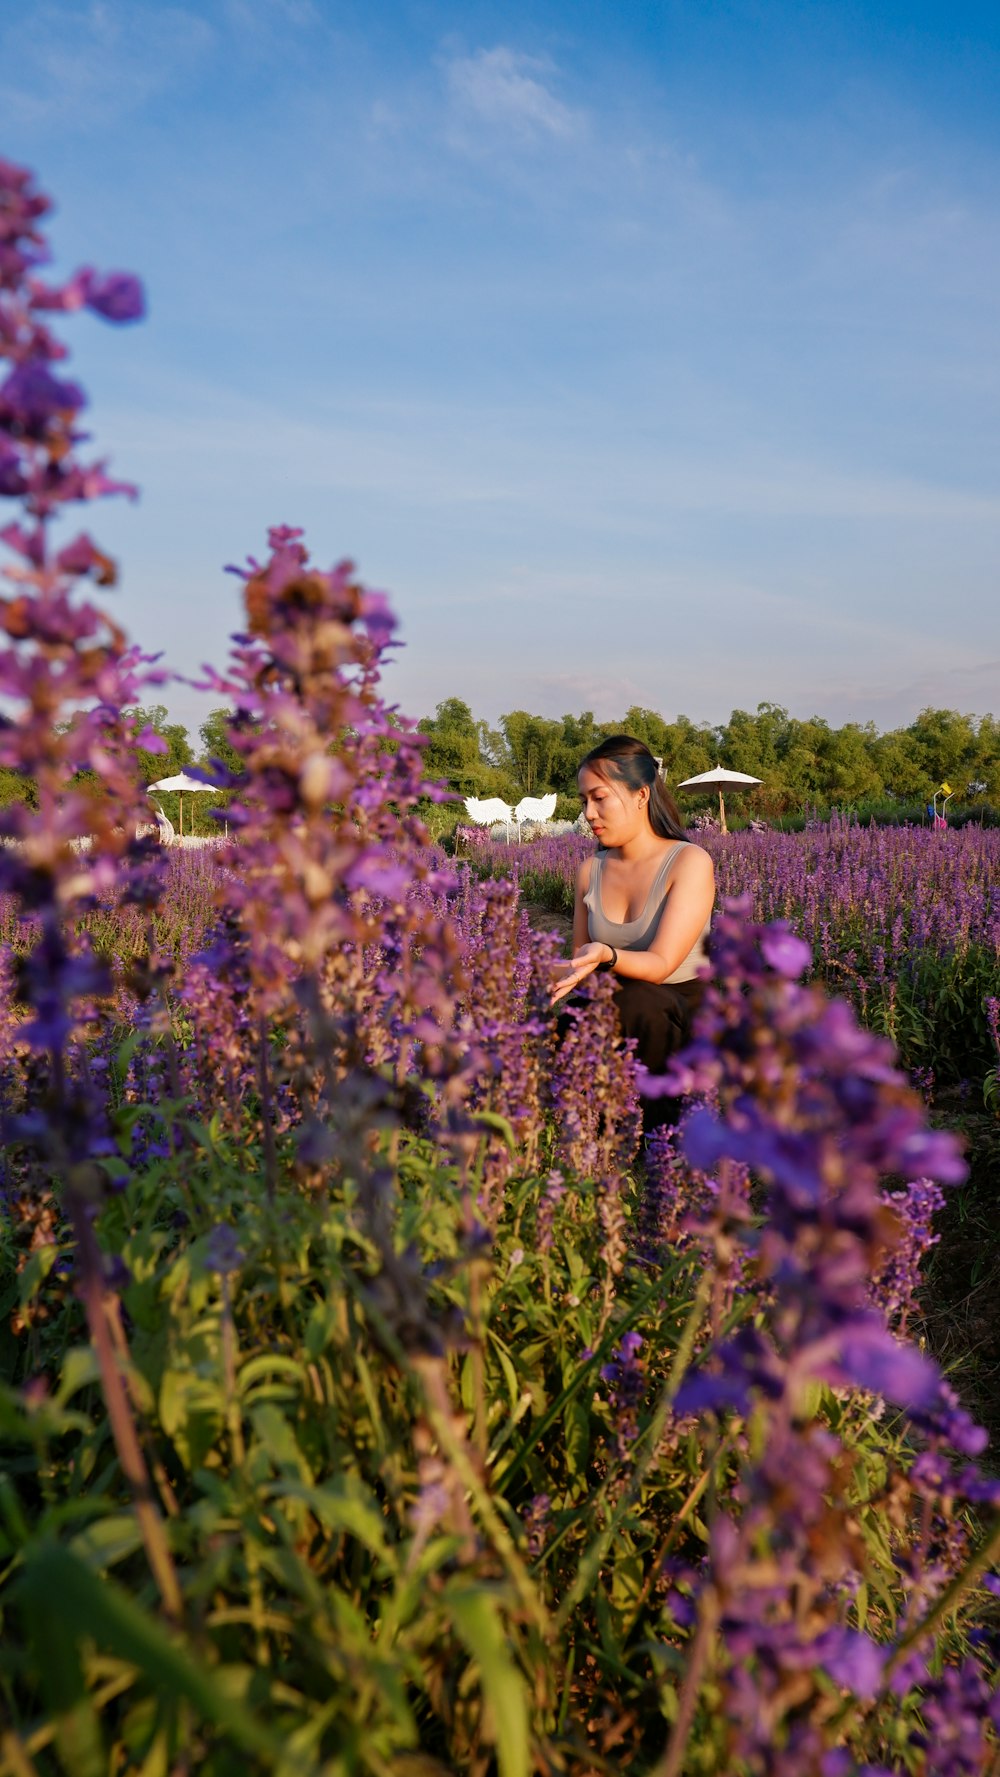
point(370, 1401)
point(903, 921)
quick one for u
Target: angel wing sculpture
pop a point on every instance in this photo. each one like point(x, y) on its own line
point(494, 808)
point(165, 828)
point(536, 808)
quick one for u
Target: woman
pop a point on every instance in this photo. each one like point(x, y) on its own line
point(643, 906)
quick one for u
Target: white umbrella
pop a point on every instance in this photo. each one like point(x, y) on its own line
point(183, 785)
point(720, 778)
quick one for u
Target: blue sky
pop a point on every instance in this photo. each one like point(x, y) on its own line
point(643, 354)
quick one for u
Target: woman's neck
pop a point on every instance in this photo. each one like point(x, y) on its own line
point(638, 849)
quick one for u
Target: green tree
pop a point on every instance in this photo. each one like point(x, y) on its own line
point(580, 734)
point(455, 752)
point(901, 770)
point(493, 749)
point(986, 769)
point(215, 742)
point(534, 747)
point(453, 716)
point(945, 744)
point(800, 761)
point(178, 754)
point(852, 771)
point(690, 748)
point(649, 727)
point(759, 745)
point(15, 787)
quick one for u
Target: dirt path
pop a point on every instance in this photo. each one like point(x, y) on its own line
point(545, 921)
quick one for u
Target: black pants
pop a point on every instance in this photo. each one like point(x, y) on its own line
point(659, 1017)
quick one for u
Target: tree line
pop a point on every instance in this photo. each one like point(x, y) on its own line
point(179, 754)
point(801, 762)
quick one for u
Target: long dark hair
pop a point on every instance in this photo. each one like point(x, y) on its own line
point(630, 762)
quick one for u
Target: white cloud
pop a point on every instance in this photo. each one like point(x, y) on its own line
point(80, 66)
point(609, 695)
point(972, 689)
point(264, 17)
point(507, 90)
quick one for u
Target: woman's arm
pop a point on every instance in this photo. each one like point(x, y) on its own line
point(569, 972)
point(689, 904)
point(581, 927)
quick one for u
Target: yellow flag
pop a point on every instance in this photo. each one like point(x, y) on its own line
point(947, 789)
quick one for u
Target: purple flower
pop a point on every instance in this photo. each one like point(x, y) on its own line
point(786, 954)
point(705, 1140)
point(537, 1524)
point(871, 1358)
point(81, 556)
point(13, 480)
point(932, 1153)
point(31, 396)
point(223, 1252)
point(852, 1660)
point(117, 295)
point(705, 1393)
point(816, 1110)
point(745, 1362)
point(626, 1389)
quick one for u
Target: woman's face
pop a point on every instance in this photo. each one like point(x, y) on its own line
point(613, 811)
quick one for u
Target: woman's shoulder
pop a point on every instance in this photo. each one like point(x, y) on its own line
point(692, 860)
point(584, 875)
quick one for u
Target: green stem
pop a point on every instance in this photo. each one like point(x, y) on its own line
point(264, 1084)
point(594, 1557)
point(120, 1419)
point(586, 1370)
point(439, 1412)
point(677, 1524)
point(234, 1421)
point(671, 1764)
point(13, 1757)
point(984, 1557)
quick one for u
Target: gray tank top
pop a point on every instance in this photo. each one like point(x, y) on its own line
point(638, 934)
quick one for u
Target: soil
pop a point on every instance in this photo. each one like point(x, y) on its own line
point(962, 1276)
point(545, 921)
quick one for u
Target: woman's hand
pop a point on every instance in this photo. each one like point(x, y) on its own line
point(583, 963)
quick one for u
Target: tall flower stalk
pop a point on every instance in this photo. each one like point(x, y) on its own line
point(68, 673)
point(815, 1109)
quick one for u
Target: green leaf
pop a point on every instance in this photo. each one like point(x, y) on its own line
point(107, 1540)
point(60, 1672)
point(37, 1269)
point(493, 1120)
point(346, 1506)
point(192, 1413)
point(277, 1438)
point(582, 1373)
point(320, 1328)
point(70, 1603)
point(79, 1368)
point(509, 1372)
point(480, 1625)
point(576, 1423)
point(269, 1364)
